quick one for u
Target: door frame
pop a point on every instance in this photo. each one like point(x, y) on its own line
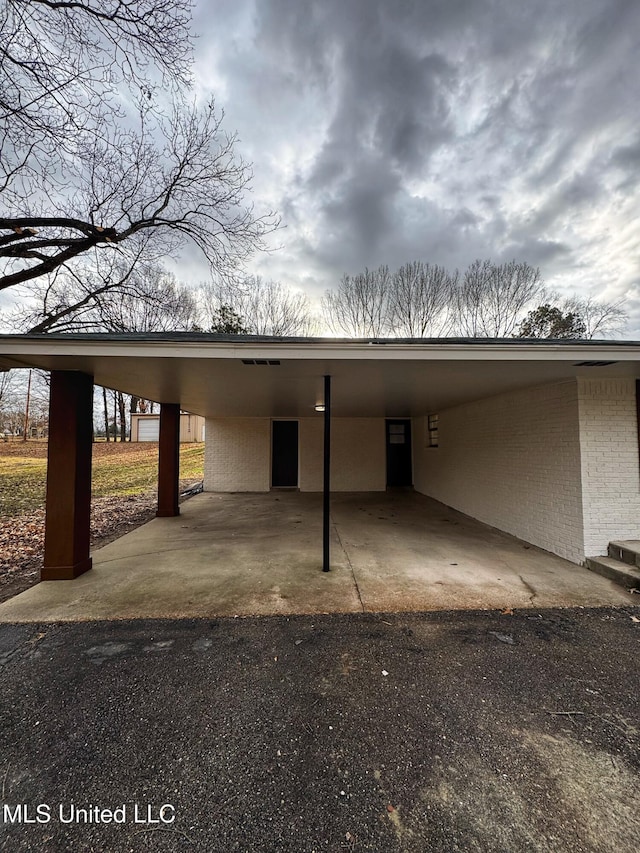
point(408, 434)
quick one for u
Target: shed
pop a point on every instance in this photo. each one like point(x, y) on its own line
point(146, 427)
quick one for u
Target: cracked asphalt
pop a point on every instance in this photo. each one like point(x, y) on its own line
point(441, 732)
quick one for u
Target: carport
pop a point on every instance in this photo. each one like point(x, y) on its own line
point(537, 438)
point(258, 554)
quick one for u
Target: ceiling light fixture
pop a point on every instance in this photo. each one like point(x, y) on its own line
point(320, 407)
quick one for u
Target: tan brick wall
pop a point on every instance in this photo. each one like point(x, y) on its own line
point(610, 470)
point(512, 461)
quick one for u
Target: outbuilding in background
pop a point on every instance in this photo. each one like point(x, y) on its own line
point(147, 427)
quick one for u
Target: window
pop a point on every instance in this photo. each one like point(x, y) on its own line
point(432, 430)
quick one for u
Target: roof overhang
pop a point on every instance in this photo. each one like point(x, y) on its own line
point(212, 375)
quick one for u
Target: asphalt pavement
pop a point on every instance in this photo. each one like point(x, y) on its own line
point(440, 732)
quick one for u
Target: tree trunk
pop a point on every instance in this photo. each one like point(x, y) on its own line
point(106, 414)
point(123, 417)
point(133, 408)
point(115, 415)
point(26, 410)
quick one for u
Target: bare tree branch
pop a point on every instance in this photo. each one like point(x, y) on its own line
point(362, 304)
point(601, 319)
point(107, 296)
point(192, 188)
point(491, 298)
point(80, 173)
point(421, 300)
point(263, 307)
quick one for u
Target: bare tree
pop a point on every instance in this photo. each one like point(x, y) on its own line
point(157, 304)
point(362, 304)
point(601, 319)
point(261, 307)
point(110, 298)
point(491, 298)
point(421, 300)
point(8, 380)
point(78, 172)
point(24, 402)
point(58, 61)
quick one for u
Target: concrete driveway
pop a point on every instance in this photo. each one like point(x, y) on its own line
point(260, 554)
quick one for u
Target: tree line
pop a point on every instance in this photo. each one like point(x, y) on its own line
point(418, 300)
point(490, 300)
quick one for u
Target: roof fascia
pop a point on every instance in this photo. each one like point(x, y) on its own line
point(18, 348)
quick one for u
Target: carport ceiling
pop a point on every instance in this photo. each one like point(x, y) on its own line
point(212, 375)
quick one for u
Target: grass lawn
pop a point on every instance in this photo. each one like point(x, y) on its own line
point(118, 470)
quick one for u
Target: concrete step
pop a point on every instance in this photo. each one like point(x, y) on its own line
point(626, 550)
point(619, 572)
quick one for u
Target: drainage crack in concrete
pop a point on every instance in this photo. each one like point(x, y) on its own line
point(531, 589)
point(353, 574)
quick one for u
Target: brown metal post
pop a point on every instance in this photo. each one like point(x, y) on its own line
point(169, 460)
point(68, 506)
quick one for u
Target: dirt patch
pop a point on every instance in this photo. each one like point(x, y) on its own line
point(37, 449)
point(124, 482)
point(22, 537)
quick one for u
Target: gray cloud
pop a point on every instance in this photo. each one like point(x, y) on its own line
point(444, 130)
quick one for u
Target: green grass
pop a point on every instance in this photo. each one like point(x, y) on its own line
point(118, 470)
point(22, 485)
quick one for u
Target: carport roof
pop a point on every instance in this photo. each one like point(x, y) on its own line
point(252, 375)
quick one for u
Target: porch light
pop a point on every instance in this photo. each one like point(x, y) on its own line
point(320, 407)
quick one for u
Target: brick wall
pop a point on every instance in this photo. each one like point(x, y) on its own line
point(358, 455)
point(237, 455)
point(610, 471)
point(512, 461)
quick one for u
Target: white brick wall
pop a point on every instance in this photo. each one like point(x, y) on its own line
point(512, 461)
point(358, 455)
point(555, 465)
point(311, 454)
point(237, 455)
point(610, 470)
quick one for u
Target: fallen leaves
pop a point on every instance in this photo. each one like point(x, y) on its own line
point(22, 536)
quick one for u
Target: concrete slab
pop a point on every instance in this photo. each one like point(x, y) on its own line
point(260, 554)
point(409, 552)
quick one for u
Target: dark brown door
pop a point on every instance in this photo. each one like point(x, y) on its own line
point(399, 453)
point(284, 454)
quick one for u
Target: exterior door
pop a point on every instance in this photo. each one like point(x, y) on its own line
point(399, 472)
point(284, 455)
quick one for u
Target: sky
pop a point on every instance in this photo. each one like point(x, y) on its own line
point(385, 131)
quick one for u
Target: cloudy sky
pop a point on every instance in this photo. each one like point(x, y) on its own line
point(444, 130)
